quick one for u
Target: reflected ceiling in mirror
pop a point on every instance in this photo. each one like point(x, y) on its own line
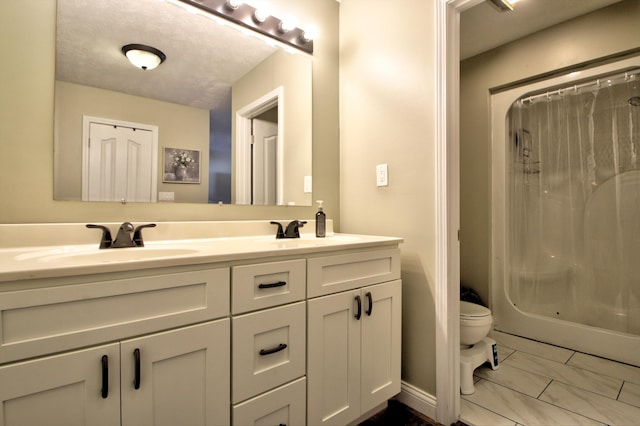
point(204, 60)
point(204, 57)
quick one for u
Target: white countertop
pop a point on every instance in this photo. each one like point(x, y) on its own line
point(48, 261)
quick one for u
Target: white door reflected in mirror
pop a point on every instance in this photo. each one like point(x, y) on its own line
point(119, 161)
point(264, 161)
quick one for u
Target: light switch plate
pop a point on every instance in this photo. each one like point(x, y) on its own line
point(382, 175)
point(308, 186)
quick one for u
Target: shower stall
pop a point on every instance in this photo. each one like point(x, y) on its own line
point(566, 210)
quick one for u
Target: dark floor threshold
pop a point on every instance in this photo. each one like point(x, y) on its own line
point(398, 414)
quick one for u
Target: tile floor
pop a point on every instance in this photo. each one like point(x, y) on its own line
point(541, 384)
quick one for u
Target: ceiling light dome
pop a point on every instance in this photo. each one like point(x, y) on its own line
point(143, 56)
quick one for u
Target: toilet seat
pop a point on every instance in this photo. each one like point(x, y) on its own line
point(472, 311)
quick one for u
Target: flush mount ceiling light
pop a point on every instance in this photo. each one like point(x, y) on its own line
point(143, 56)
point(257, 20)
point(503, 5)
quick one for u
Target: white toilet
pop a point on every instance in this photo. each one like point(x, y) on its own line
point(475, 347)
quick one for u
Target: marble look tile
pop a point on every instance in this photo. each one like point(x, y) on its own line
point(516, 379)
point(522, 408)
point(504, 352)
point(474, 415)
point(607, 367)
point(543, 350)
point(630, 394)
point(591, 405)
point(584, 379)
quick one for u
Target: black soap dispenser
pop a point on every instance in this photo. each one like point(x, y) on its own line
point(321, 221)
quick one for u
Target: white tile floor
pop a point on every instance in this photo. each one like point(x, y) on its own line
point(541, 384)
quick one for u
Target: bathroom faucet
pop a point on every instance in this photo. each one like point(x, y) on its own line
point(291, 231)
point(292, 228)
point(123, 238)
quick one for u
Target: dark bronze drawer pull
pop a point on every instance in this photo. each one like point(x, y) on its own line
point(359, 311)
point(370, 308)
point(280, 347)
point(272, 285)
point(105, 376)
point(136, 358)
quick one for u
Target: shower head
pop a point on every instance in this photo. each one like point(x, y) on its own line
point(634, 101)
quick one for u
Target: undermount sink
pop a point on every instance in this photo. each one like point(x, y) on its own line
point(79, 257)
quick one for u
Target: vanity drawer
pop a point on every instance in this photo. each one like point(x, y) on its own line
point(285, 405)
point(332, 274)
point(265, 285)
point(47, 320)
point(268, 349)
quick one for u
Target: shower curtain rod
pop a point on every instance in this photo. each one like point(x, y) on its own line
point(598, 82)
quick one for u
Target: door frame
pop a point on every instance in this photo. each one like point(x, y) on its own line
point(447, 136)
point(242, 149)
point(87, 120)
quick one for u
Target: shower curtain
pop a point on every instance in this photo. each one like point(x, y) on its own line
point(574, 203)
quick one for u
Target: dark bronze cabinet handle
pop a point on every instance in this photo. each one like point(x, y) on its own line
point(105, 376)
point(272, 285)
point(280, 347)
point(359, 311)
point(136, 358)
point(370, 308)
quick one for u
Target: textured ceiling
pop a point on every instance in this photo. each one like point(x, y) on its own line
point(203, 57)
point(483, 27)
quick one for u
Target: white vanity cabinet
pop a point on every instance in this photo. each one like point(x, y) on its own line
point(247, 331)
point(129, 374)
point(269, 343)
point(354, 342)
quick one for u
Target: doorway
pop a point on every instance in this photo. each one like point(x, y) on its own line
point(259, 151)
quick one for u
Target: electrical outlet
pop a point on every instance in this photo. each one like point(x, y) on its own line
point(165, 196)
point(382, 175)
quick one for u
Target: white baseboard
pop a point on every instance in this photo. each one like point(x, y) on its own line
point(417, 399)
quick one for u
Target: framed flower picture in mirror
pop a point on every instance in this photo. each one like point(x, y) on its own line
point(181, 165)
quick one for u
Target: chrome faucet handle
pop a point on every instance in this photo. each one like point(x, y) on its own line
point(279, 232)
point(292, 230)
point(105, 241)
point(137, 234)
point(123, 239)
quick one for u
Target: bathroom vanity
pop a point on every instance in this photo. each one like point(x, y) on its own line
point(212, 330)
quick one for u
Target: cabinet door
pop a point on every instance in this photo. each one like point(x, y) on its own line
point(183, 377)
point(381, 343)
point(64, 390)
point(333, 369)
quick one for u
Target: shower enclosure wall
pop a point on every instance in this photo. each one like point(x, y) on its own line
point(566, 211)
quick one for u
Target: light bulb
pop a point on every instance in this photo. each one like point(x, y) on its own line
point(287, 24)
point(309, 34)
point(233, 4)
point(260, 15)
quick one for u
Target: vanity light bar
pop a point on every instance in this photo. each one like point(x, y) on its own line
point(243, 15)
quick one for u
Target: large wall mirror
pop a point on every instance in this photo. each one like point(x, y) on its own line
point(233, 108)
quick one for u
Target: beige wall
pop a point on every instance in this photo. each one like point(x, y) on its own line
point(291, 72)
point(606, 32)
point(387, 115)
point(27, 34)
point(179, 127)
